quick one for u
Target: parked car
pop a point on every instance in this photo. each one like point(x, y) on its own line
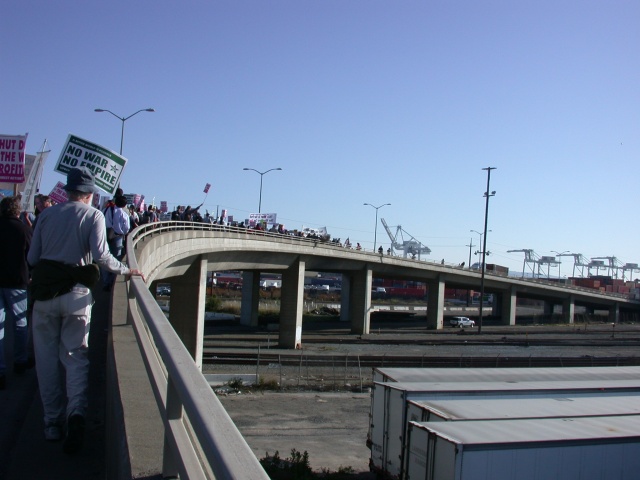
point(461, 322)
point(163, 291)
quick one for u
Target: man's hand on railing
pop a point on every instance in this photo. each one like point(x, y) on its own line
point(135, 272)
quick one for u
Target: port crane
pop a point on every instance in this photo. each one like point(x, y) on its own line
point(612, 267)
point(578, 261)
point(530, 260)
point(410, 247)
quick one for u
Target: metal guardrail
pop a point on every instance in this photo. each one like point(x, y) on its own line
point(201, 440)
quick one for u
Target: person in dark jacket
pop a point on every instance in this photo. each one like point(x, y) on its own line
point(15, 240)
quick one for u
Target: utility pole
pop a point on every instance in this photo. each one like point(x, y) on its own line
point(487, 194)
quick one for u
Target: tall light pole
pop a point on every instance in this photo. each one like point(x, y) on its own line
point(487, 195)
point(123, 119)
point(479, 242)
point(261, 175)
point(375, 231)
point(471, 245)
point(559, 254)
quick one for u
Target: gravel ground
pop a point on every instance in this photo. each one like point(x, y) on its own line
point(331, 427)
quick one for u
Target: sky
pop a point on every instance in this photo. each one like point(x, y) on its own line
point(358, 101)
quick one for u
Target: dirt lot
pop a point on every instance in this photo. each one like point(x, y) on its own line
point(331, 427)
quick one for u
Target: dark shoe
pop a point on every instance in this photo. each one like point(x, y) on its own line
point(21, 367)
point(52, 432)
point(2, 382)
point(75, 434)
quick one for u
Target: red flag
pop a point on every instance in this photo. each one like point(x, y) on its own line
point(207, 187)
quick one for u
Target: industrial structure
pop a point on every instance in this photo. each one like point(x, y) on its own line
point(410, 247)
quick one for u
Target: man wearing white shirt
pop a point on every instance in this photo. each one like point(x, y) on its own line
point(118, 224)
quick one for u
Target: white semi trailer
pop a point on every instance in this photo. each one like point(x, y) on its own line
point(588, 448)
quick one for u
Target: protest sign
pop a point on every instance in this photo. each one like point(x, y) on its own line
point(107, 166)
point(264, 218)
point(12, 149)
point(207, 187)
point(59, 194)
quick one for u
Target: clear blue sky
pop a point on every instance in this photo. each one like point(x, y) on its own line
point(400, 102)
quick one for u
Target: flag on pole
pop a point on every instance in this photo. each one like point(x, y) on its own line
point(33, 181)
point(207, 187)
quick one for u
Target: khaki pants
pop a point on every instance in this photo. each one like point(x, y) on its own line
point(61, 341)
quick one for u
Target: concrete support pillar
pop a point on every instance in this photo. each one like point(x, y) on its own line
point(614, 313)
point(569, 309)
point(360, 301)
point(250, 298)
point(435, 304)
point(186, 309)
point(291, 304)
point(345, 305)
point(509, 301)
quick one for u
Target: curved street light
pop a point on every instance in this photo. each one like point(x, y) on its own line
point(123, 119)
point(479, 244)
point(261, 175)
point(375, 231)
point(560, 254)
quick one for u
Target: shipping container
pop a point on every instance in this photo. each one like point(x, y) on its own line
point(503, 374)
point(591, 448)
point(508, 409)
point(389, 406)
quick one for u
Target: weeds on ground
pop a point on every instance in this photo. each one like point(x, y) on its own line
point(236, 383)
point(266, 384)
point(297, 467)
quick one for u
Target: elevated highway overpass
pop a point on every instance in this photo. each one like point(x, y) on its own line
point(182, 253)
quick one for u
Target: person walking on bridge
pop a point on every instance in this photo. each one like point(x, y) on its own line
point(15, 238)
point(67, 239)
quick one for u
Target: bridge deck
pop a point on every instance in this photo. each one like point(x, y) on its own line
point(25, 454)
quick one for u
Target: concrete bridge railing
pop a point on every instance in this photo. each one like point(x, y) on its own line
point(200, 439)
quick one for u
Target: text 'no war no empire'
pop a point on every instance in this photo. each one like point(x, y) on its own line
point(98, 165)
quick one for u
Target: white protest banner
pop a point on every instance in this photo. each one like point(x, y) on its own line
point(267, 218)
point(30, 187)
point(107, 166)
point(59, 194)
point(12, 158)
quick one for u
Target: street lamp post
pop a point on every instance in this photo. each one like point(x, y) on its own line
point(261, 175)
point(479, 243)
point(487, 195)
point(471, 245)
point(375, 230)
point(559, 254)
point(123, 119)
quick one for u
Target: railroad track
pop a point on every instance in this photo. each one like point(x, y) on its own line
point(298, 359)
